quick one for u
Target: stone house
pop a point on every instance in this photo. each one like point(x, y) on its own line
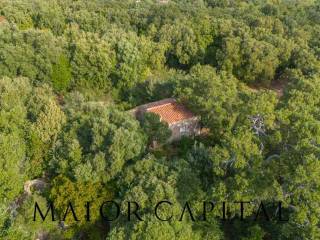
point(181, 120)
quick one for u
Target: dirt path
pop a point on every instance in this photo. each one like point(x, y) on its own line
point(39, 184)
point(277, 86)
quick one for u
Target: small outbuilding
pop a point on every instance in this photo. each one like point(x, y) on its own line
point(181, 121)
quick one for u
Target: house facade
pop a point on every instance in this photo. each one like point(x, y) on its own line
point(181, 121)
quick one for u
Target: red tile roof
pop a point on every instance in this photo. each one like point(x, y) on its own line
point(2, 18)
point(168, 109)
point(171, 112)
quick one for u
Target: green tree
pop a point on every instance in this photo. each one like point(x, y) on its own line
point(61, 74)
point(155, 129)
point(92, 59)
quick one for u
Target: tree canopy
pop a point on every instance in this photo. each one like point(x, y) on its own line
point(71, 70)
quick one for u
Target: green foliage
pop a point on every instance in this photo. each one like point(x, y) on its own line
point(235, 64)
point(78, 193)
point(21, 143)
point(61, 74)
point(23, 228)
point(13, 123)
point(99, 140)
point(152, 229)
point(160, 180)
point(255, 233)
point(212, 95)
point(92, 59)
point(155, 129)
point(30, 53)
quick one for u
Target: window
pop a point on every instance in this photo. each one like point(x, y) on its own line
point(183, 129)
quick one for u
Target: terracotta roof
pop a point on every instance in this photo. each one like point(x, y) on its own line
point(2, 18)
point(172, 112)
point(168, 109)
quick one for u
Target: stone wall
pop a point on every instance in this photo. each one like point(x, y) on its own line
point(189, 127)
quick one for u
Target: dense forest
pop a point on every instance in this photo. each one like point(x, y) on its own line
point(70, 70)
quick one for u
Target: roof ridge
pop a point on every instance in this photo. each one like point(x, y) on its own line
point(157, 103)
point(157, 106)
